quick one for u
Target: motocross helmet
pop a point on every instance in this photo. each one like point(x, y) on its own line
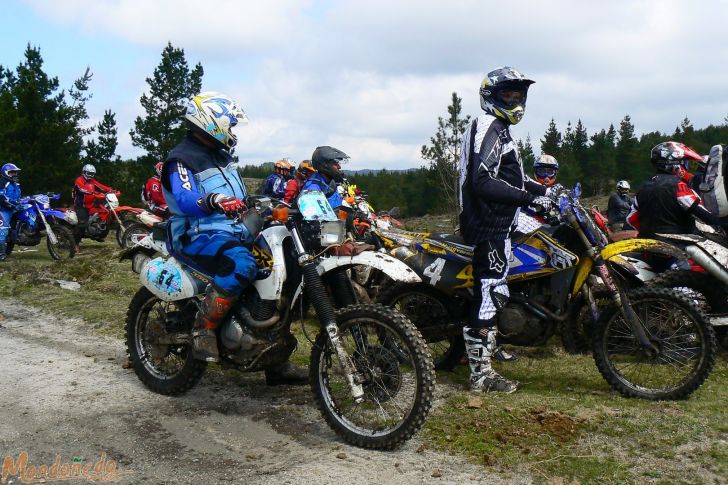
point(283, 166)
point(88, 171)
point(9, 171)
point(214, 115)
point(158, 168)
point(503, 94)
point(623, 187)
point(546, 168)
point(328, 160)
point(305, 169)
point(673, 157)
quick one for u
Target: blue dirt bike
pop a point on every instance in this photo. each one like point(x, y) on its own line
point(35, 219)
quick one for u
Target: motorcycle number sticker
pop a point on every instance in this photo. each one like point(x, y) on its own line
point(164, 277)
point(434, 271)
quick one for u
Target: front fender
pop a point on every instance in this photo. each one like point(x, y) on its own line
point(387, 264)
point(54, 213)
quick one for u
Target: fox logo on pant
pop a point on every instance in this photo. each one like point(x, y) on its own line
point(496, 263)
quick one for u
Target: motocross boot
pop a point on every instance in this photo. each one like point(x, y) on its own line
point(286, 373)
point(3, 251)
point(481, 345)
point(215, 306)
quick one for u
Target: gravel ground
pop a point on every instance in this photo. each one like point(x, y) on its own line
point(65, 392)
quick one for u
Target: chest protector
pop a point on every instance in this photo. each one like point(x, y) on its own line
point(713, 188)
point(213, 172)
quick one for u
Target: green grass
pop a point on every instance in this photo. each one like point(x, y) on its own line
point(565, 425)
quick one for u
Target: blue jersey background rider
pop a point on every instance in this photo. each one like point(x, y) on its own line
point(9, 195)
point(327, 162)
point(204, 192)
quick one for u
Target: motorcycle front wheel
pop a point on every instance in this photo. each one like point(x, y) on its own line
point(133, 234)
point(65, 246)
point(685, 343)
point(163, 368)
point(397, 395)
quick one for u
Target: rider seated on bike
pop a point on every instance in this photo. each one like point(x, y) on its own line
point(9, 196)
point(275, 184)
point(87, 193)
point(293, 186)
point(327, 162)
point(205, 192)
point(665, 204)
point(153, 196)
point(619, 207)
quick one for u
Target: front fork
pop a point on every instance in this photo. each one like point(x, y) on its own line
point(49, 231)
point(622, 301)
point(325, 311)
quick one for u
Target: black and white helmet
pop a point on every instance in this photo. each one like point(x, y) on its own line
point(503, 94)
point(623, 187)
point(88, 171)
point(327, 161)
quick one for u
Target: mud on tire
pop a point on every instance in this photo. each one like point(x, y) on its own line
point(188, 374)
point(351, 317)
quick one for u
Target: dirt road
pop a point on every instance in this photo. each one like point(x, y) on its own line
point(65, 392)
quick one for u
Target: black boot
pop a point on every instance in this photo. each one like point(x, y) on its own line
point(3, 251)
point(214, 308)
point(286, 373)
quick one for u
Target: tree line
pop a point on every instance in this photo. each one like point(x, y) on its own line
point(46, 130)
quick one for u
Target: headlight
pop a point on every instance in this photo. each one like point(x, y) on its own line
point(332, 232)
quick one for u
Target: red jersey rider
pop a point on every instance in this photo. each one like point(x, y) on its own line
point(86, 192)
point(153, 195)
point(293, 186)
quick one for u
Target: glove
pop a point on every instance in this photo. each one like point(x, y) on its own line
point(554, 191)
point(541, 205)
point(230, 206)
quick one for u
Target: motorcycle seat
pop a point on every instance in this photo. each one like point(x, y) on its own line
point(159, 231)
point(452, 243)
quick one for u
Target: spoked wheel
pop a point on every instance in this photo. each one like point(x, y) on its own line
point(134, 233)
point(702, 289)
point(397, 395)
point(424, 306)
point(685, 342)
point(164, 367)
point(65, 246)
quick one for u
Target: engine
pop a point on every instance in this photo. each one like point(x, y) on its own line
point(96, 227)
point(519, 326)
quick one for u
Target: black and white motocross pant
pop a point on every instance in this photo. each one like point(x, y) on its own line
point(490, 268)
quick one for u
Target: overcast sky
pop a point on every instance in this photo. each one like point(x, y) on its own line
point(371, 77)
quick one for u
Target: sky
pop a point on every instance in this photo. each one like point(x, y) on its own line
point(371, 77)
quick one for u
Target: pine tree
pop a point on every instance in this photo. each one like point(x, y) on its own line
point(526, 151)
point(103, 149)
point(171, 84)
point(443, 154)
point(569, 168)
point(551, 142)
point(629, 165)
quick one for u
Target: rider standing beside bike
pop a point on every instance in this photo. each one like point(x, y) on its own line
point(86, 192)
point(665, 203)
point(9, 196)
point(153, 195)
point(619, 207)
point(493, 187)
point(204, 193)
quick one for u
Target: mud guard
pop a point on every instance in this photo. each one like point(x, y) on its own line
point(613, 253)
point(392, 267)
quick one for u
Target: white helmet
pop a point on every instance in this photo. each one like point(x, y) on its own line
point(88, 171)
point(623, 186)
point(214, 114)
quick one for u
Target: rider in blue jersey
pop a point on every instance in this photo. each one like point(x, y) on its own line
point(275, 184)
point(9, 195)
point(327, 162)
point(204, 193)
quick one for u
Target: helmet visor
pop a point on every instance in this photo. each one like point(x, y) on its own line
point(511, 97)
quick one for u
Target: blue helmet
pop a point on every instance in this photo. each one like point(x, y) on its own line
point(10, 167)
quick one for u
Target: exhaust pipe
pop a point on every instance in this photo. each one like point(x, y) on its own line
point(709, 263)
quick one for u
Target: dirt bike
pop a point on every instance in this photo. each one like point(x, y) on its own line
point(36, 219)
point(365, 393)
point(139, 229)
point(648, 342)
point(104, 216)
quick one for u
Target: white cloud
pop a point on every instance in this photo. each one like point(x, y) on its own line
point(374, 75)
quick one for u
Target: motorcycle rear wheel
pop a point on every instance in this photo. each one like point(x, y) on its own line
point(397, 396)
point(164, 369)
point(65, 247)
point(680, 331)
point(136, 229)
